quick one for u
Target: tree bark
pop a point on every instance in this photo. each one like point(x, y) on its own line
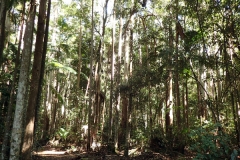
point(177, 91)
point(46, 122)
point(118, 95)
point(16, 139)
point(35, 83)
point(112, 79)
point(169, 104)
point(79, 56)
point(126, 83)
point(169, 94)
point(7, 129)
point(90, 83)
point(3, 12)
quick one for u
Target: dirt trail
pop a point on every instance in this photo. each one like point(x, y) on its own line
point(57, 154)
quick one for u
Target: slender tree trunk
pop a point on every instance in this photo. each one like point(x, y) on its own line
point(53, 112)
point(124, 96)
point(17, 131)
point(78, 91)
point(202, 72)
point(124, 122)
point(35, 83)
point(169, 104)
point(112, 78)
point(96, 108)
point(177, 91)
point(130, 98)
point(7, 129)
point(125, 106)
point(46, 118)
point(169, 94)
point(185, 103)
point(3, 12)
point(149, 87)
point(202, 94)
point(235, 117)
point(46, 124)
point(79, 56)
point(90, 83)
point(118, 95)
point(103, 105)
point(238, 118)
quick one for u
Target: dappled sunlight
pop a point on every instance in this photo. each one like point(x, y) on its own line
point(51, 152)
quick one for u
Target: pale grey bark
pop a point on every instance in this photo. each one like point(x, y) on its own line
point(8, 120)
point(79, 56)
point(112, 77)
point(17, 130)
point(90, 81)
point(117, 107)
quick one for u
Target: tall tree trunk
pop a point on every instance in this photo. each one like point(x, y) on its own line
point(7, 129)
point(124, 122)
point(149, 119)
point(177, 91)
point(35, 83)
point(202, 73)
point(79, 56)
point(235, 119)
point(78, 91)
point(130, 94)
point(90, 83)
point(46, 122)
point(185, 103)
point(201, 93)
point(238, 118)
point(118, 95)
point(169, 104)
point(3, 13)
point(169, 94)
point(125, 97)
point(112, 78)
point(16, 139)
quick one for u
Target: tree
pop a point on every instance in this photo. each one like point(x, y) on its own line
point(39, 96)
point(3, 13)
point(90, 83)
point(35, 83)
point(7, 128)
point(15, 148)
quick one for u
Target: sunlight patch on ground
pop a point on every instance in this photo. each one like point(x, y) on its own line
point(53, 152)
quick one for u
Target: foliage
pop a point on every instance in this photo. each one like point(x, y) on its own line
point(192, 40)
point(140, 133)
point(234, 154)
point(210, 142)
point(60, 66)
point(63, 133)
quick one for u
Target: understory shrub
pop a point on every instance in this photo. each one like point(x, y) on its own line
point(210, 141)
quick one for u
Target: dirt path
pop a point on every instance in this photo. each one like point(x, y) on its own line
point(57, 154)
point(95, 156)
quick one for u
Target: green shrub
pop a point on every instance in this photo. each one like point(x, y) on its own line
point(63, 133)
point(210, 142)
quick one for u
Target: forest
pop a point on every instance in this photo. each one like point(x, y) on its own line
point(120, 79)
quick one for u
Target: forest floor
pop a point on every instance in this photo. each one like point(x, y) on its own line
point(53, 153)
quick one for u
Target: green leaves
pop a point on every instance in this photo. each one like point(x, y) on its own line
point(192, 39)
point(61, 67)
point(63, 133)
point(209, 142)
